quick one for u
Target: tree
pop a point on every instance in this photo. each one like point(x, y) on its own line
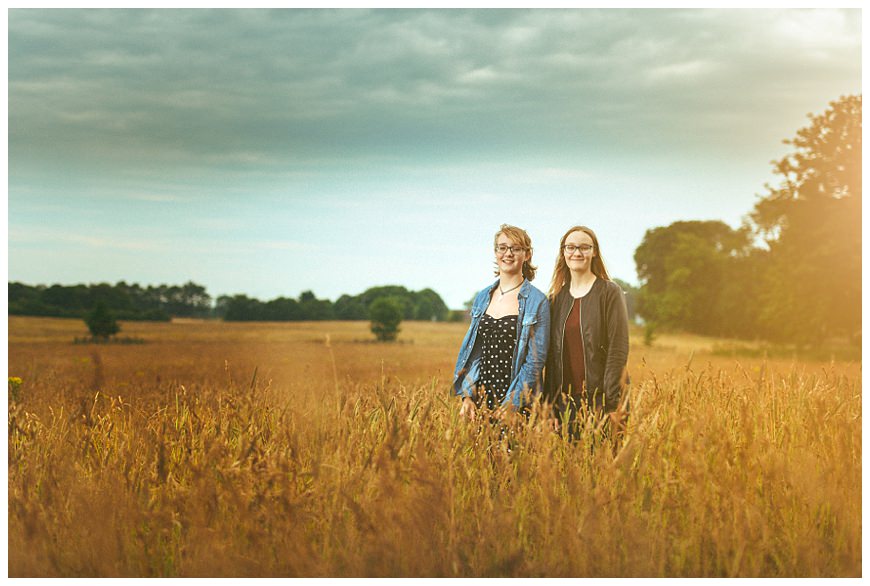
point(386, 315)
point(221, 305)
point(350, 308)
point(195, 301)
point(428, 305)
point(397, 293)
point(683, 268)
point(281, 309)
point(312, 308)
point(242, 308)
point(424, 310)
point(101, 322)
point(811, 223)
point(115, 299)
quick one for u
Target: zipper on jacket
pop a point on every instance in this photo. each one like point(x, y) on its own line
point(562, 353)
point(583, 348)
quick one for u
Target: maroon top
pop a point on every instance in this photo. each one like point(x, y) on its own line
point(573, 362)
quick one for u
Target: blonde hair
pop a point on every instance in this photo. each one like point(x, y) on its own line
point(562, 274)
point(522, 238)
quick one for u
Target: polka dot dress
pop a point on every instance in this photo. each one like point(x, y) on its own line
point(497, 352)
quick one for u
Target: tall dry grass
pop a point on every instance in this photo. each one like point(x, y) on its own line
point(216, 450)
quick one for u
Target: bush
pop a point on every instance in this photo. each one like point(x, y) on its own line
point(386, 315)
point(101, 322)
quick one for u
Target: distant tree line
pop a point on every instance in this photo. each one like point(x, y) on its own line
point(416, 305)
point(126, 302)
point(792, 271)
point(160, 303)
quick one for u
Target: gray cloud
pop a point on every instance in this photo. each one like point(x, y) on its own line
point(258, 87)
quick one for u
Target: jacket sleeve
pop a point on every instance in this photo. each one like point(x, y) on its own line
point(464, 374)
point(529, 376)
point(616, 315)
point(460, 386)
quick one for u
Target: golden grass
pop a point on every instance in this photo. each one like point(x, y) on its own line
point(347, 458)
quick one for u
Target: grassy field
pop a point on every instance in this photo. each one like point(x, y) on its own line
point(304, 449)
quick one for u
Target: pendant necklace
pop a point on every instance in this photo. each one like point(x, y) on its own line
point(509, 290)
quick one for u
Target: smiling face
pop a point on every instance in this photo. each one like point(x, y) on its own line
point(509, 255)
point(579, 250)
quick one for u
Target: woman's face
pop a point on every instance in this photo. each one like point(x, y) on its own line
point(509, 255)
point(578, 251)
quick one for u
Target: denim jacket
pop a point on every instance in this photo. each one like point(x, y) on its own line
point(530, 352)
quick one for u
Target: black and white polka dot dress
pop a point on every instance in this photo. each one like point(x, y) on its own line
point(497, 351)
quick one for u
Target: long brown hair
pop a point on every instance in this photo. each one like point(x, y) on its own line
point(562, 274)
point(522, 238)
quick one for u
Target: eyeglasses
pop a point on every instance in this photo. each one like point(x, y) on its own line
point(503, 248)
point(571, 248)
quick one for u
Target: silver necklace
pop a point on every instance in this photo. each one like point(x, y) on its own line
point(509, 290)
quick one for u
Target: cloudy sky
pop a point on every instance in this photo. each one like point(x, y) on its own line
point(270, 152)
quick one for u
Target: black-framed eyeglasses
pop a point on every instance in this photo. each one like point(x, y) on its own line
point(572, 248)
point(503, 248)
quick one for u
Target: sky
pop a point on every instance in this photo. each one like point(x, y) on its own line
point(267, 152)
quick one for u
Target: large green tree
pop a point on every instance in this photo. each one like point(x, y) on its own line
point(811, 222)
point(684, 270)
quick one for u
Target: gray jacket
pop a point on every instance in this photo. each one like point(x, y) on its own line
point(604, 325)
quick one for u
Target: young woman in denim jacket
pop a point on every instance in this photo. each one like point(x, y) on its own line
point(502, 356)
point(586, 366)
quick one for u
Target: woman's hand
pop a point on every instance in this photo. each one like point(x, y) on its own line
point(555, 424)
point(468, 409)
point(617, 421)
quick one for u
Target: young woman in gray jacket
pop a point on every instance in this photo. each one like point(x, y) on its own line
point(588, 350)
